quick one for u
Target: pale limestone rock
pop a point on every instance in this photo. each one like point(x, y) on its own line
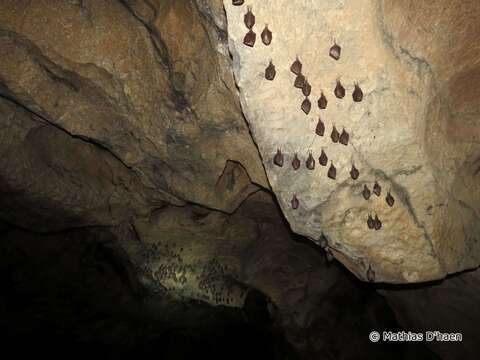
point(433, 227)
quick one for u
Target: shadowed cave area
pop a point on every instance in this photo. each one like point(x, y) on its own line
point(142, 211)
point(75, 292)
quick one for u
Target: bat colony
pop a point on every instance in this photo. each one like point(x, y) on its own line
point(301, 82)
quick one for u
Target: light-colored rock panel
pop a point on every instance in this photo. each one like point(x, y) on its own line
point(389, 132)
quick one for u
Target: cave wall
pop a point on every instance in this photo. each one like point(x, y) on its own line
point(123, 125)
point(415, 131)
point(88, 141)
point(109, 88)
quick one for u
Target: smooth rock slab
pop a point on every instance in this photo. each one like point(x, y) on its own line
point(429, 232)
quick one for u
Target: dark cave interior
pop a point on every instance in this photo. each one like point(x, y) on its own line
point(73, 293)
point(148, 208)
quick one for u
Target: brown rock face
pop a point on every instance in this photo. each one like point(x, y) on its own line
point(137, 115)
point(50, 179)
point(122, 126)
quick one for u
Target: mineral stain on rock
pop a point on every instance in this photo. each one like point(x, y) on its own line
point(179, 100)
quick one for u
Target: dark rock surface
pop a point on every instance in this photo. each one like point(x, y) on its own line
point(135, 215)
point(81, 288)
point(157, 118)
point(448, 306)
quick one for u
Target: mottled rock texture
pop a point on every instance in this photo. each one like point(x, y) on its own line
point(125, 158)
point(111, 109)
point(194, 253)
point(416, 131)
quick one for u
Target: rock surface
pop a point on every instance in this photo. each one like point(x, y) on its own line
point(123, 135)
point(107, 115)
point(416, 130)
point(194, 253)
point(448, 307)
